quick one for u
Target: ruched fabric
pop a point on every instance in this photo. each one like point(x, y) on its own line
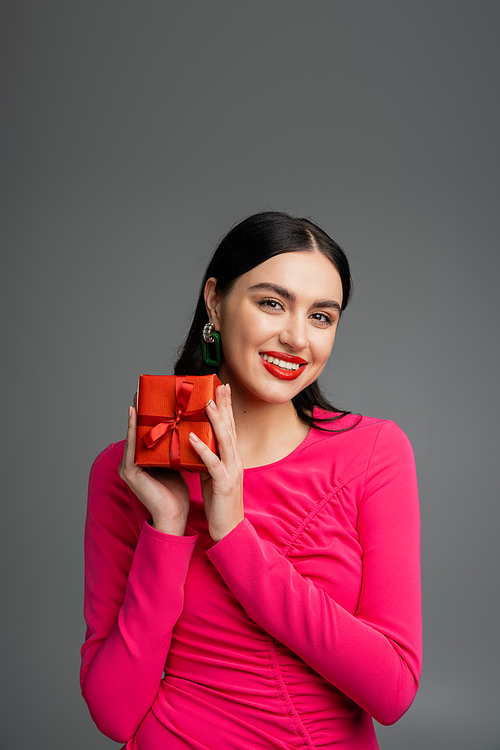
point(293, 631)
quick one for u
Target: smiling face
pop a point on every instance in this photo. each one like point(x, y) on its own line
point(277, 325)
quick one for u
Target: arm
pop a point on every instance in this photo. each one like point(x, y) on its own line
point(134, 582)
point(372, 656)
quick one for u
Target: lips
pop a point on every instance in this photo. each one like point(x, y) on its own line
point(276, 364)
point(285, 357)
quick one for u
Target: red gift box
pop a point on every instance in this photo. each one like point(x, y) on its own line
point(169, 407)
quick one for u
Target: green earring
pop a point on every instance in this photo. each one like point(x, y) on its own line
point(210, 336)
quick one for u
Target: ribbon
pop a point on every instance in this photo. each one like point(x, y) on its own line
point(161, 426)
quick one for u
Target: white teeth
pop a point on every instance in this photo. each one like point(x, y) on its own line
point(280, 362)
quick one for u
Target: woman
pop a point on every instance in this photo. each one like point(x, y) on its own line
point(273, 602)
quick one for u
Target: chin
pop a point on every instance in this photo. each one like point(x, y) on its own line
point(264, 387)
point(280, 393)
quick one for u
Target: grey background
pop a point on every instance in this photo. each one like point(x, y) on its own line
point(133, 136)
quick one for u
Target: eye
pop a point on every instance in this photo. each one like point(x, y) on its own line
point(270, 304)
point(322, 319)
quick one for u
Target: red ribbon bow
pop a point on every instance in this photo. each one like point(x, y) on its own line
point(161, 426)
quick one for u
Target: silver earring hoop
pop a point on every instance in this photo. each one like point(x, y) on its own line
point(207, 333)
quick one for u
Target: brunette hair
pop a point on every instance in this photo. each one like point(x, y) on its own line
point(248, 244)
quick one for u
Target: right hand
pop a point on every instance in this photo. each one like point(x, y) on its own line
point(165, 494)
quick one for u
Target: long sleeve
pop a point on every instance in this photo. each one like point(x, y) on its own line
point(134, 591)
point(374, 654)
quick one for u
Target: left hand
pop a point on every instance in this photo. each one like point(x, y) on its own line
point(222, 487)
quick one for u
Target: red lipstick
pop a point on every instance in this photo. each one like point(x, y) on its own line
point(286, 357)
point(278, 371)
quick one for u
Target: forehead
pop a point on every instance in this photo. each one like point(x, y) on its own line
point(302, 272)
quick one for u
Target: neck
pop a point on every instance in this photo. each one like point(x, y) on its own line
point(266, 431)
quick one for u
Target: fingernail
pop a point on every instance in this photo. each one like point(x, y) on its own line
point(129, 412)
point(194, 437)
point(223, 390)
point(228, 389)
point(212, 405)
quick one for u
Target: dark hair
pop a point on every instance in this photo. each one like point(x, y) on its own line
point(248, 244)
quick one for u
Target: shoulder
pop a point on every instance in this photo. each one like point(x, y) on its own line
point(361, 435)
point(106, 488)
point(108, 460)
point(360, 425)
point(111, 504)
point(376, 453)
point(113, 453)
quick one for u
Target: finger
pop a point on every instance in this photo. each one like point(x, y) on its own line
point(230, 407)
point(129, 453)
point(211, 461)
point(228, 417)
point(223, 395)
point(220, 420)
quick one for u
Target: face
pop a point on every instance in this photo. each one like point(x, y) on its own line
point(277, 325)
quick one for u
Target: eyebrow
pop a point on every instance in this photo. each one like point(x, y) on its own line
point(290, 296)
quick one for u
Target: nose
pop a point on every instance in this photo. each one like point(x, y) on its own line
point(294, 335)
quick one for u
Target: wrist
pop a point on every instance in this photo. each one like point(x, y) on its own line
point(175, 527)
point(217, 534)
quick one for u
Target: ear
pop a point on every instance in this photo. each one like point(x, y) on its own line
point(213, 302)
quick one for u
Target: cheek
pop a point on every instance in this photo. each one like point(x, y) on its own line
point(236, 340)
point(324, 349)
point(244, 330)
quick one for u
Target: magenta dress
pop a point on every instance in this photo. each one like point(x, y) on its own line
point(293, 631)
